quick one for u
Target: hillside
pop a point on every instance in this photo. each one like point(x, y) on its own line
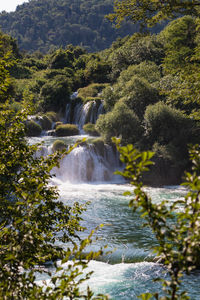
point(48, 24)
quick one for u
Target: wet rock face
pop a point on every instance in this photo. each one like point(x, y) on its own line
point(89, 169)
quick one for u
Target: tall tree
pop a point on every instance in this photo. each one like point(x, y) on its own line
point(152, 11)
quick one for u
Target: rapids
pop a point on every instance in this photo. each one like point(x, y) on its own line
point(129, 270)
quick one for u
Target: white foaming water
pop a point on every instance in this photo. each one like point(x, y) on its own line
point(83, 113)
point(84, 164)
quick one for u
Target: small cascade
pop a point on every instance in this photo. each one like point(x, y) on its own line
point(68, 113)
point(85, 164)
point(80, 114)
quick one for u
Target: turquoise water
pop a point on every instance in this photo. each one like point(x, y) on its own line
point(129, 270)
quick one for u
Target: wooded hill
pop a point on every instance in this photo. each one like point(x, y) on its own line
point(148, 83)
point(48, 24)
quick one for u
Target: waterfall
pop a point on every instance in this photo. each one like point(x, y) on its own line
point(81, 113)
point(85, 164)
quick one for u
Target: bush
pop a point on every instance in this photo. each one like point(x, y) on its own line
point(33, 129)
point(58, 145)
point(67, 130)
point(121, 121)
point(16, 106)
point(90, 129)
point(138, 94)
point(164, 124)
point(109, 97)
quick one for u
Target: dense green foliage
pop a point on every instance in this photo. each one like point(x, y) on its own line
point(135, 76)
point(176, 231)
point(151, 12)
point(120, 122)
point(49, 24)
point(149, 85)
point(35, 225)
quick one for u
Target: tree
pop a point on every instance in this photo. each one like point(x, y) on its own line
point(151, 12)
point(34, 224)
point(164, 124)
point(121, 121)
point(55, 94)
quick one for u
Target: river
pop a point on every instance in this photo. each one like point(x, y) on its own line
point(129, 270)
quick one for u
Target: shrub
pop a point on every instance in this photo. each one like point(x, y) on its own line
point(138, 94)
point(58, 145)
point(67, 130)
point(90, 129)
point(55, 93)
point(121, 121)
point(33, 129)
point(109, 97)
point(164, 124)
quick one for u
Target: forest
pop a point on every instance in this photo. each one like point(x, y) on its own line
point(147, 85)
point(145, 82)
point(48, 24)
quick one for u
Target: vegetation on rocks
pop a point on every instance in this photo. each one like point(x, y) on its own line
point(33, 128)
point(66, 130)
point(90, 129)
point(58, 145)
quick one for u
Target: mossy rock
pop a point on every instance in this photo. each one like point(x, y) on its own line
point(58, 145)
point(89, 128)
point(58, 123)
point(33, 129)
point(99, 146)
point(46, 122)
point(67, 130)
point(53, 116)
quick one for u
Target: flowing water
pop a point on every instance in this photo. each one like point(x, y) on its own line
point(129, 269)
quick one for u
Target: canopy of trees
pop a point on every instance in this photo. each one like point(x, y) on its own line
point(48, 24)
point(150, 11)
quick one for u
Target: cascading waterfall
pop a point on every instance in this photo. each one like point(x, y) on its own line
point(79, 113)
point(85, 164)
